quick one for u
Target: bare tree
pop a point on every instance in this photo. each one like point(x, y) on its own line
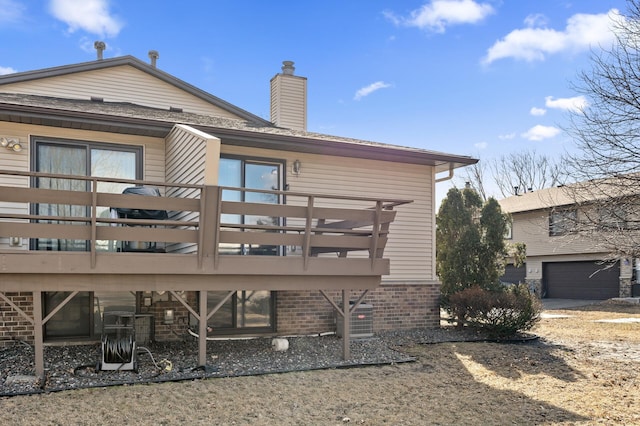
point(514, 174)
point(525, 171)
point(607, 133)
point(474, 178)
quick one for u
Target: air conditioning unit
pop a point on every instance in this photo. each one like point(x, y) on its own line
point(361, 324)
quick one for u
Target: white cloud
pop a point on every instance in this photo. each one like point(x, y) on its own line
point(438, 14)
point(582, 32)
point(11, 11)
point(537, 111)
point(507, 136)
point(575, 104)
point(536, 20)
point(92, 16)
point(481, 145)
point(367, 90)
point(6, 70)
point(540, 132)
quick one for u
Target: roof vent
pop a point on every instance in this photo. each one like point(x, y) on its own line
point(97, 99)
point(154, 55)
point(100, 47)
point(175, 109)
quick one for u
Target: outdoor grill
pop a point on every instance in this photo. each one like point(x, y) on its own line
point(129, 213)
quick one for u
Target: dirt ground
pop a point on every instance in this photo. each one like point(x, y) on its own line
point(580, 372)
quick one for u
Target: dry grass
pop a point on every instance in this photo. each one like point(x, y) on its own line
point(580, 372)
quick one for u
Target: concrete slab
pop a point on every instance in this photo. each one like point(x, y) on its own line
point(633, 300)
point(545, 315)
point(554, 304)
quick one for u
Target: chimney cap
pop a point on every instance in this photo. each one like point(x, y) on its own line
point(288, 68)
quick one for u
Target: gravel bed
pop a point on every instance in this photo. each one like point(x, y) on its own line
point(75, 366)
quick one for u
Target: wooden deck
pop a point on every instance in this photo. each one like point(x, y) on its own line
point(297, 241)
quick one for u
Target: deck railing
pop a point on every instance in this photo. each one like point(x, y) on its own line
point(202, 220)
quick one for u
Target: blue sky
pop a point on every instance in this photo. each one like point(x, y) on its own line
point(470, 77)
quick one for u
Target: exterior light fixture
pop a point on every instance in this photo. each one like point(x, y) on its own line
point(295, 167)
point(11, 143)
point(169, 316)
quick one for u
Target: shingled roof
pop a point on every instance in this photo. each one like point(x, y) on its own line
point(118, 117)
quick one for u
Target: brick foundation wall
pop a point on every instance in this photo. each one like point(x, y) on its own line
point(177, 330)
point(14, 326)
point(397, 306)
point(394, 307)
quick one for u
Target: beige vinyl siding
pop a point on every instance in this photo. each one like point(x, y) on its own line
point(187, 155)
point(288, 101)
point(117, 84)
point(532, 228)
point(19, 161)
point(410, 246)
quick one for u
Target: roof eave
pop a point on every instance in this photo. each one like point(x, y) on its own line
point(158, 128)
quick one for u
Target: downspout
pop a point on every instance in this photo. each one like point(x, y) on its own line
point(433, 223)
point(448, 177)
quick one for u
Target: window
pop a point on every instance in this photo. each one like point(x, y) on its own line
point(612, 219)
point(508, 232)
point(562, 222)
point(245, 311)
point(81, 317)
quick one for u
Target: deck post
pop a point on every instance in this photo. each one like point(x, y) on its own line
point(38, 340)
point(202, 329)
point(346, 326)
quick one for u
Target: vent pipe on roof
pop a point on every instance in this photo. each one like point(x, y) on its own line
point(100, 47)
point(153, 55)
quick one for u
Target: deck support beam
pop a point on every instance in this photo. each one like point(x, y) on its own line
point(38, 338)
point(345, 312)
point(202, 329)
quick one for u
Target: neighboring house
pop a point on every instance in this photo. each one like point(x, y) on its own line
point(561, 262)
point(117, 123)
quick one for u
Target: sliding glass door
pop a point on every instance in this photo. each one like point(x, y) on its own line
point(81, 159)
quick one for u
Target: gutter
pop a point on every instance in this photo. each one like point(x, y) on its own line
point(448, 177)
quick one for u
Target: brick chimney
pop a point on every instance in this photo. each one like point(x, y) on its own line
point(289, 99)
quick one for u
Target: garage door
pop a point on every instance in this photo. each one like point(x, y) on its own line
point(580, 280)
